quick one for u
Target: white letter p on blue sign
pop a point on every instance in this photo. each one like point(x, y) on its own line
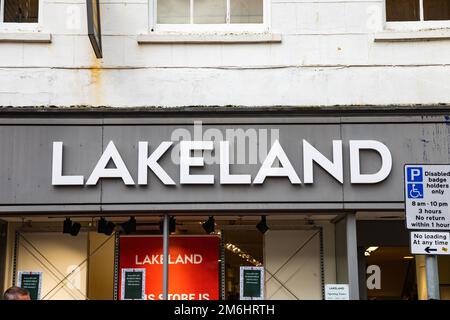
point(414, 174)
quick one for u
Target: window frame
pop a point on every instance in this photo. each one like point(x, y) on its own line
point(208, 28)
point(415, 25)
point(18, 26)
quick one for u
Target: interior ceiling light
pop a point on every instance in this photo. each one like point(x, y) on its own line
point(70, 227)
point(105, 227)
point(209, 225)
point(369, 250)
point(243, 255)
point(262, 225)
point(129, 226)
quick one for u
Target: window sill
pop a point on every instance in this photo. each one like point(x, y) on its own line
point(25, 37)
point(411, 36)
point(179, 38)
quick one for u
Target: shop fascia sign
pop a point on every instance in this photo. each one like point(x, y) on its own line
point(285, 169)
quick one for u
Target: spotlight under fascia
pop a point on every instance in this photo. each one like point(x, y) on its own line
point(67, 225)
point(70, 227)
point(209, 225)
point(129, 226)
point(262, 225)
point(172, 225)
point(76, 226)
point(101, 225)
point(105, 227)
point(110, 228)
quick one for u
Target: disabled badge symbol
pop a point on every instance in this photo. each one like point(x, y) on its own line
point(415, 191)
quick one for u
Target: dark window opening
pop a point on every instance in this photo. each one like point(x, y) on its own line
point(21, 11)
point(409, 10)
point(436, 9)
point(402, 10)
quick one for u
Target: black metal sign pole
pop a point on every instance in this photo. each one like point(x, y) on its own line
point(94, 26)
point(166, 257)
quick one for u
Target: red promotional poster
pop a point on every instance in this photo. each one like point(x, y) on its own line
point(193, 265)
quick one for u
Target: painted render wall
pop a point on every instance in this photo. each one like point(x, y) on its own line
point(327, 57)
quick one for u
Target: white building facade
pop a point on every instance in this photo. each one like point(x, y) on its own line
point(299, 53)
point(324, 101)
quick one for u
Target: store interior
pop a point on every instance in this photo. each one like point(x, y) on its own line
point(299, 253)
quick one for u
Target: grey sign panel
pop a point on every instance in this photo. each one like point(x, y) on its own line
point(26, 164)
point(408, 143)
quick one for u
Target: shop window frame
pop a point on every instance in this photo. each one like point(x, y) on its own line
point(20, 26)
point(422, 24)
point(208, 28)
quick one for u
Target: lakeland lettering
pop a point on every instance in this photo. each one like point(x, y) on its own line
point(179, 259)
point(310, 156)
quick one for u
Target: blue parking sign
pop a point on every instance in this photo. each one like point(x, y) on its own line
point(415, 191)
point(414, 174)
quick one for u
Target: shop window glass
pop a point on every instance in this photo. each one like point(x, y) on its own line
point(391, 273)
point(243, 247)
point(20, 11)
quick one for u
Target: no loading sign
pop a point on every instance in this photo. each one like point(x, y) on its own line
point(430, 243)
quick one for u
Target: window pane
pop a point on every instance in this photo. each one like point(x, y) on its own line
point(402, 10)
point(173, 11)
point(210, 11)
point(436, 9)
point(21, 11)
point(246, 11)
